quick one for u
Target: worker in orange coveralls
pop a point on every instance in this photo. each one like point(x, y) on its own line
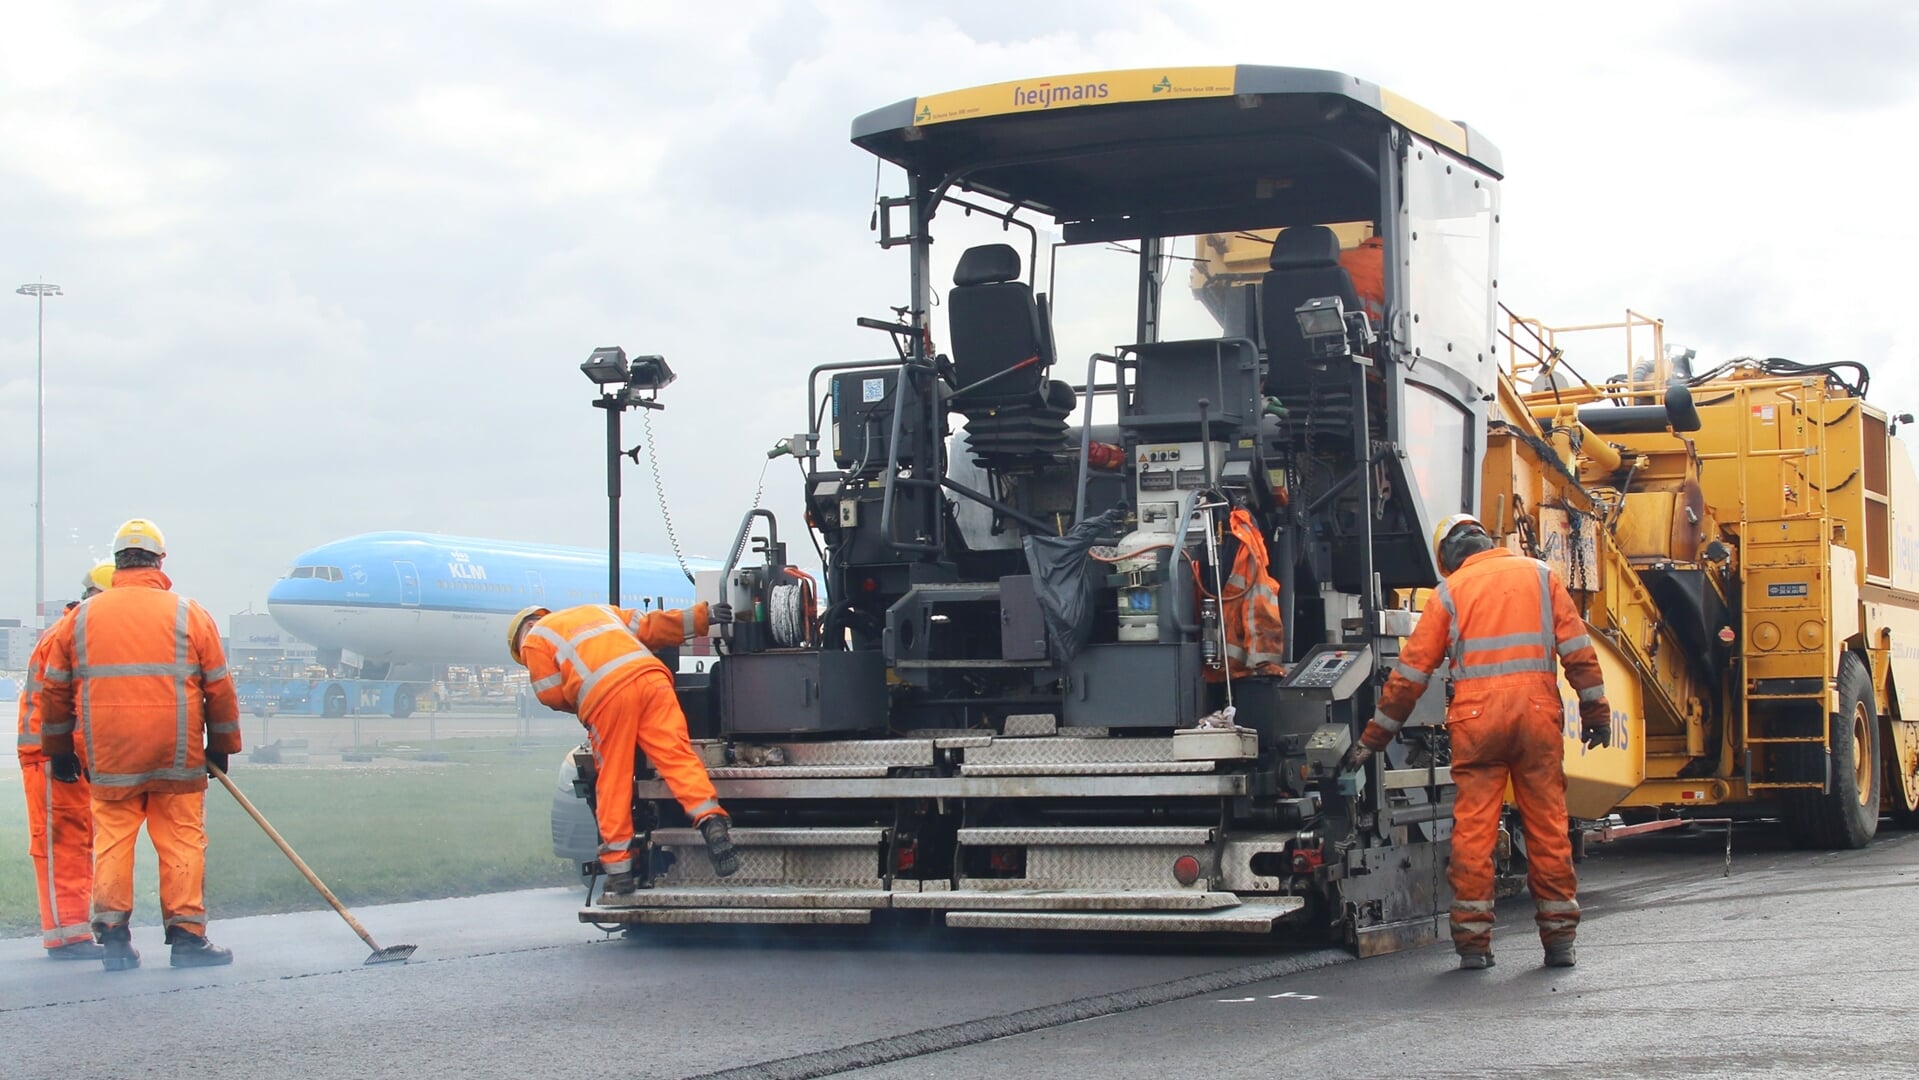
point(59, 814)
point(1502, 617)
point(597, 662)
point(155, 711)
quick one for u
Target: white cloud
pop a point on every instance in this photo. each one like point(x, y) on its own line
point(330, 267)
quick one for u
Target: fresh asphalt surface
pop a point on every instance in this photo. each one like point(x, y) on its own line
point(1794, 964)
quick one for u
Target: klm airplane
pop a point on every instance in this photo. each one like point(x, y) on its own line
point(401, 597)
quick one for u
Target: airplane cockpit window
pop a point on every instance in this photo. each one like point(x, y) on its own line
point(323, 573)
point(301, 572)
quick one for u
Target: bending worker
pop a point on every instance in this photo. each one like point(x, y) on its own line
point(1503, 617)
point(597, 662)
point(156, 709)
point(59, 814)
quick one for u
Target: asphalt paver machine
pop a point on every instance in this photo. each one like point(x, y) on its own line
point(1016, 699)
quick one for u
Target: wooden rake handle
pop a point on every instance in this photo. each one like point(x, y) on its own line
point(298, 863)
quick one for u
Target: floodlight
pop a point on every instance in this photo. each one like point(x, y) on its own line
point(1322, 322)
point(606, 366)
point(649, 373)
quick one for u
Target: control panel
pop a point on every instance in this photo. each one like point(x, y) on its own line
point(1330, 672)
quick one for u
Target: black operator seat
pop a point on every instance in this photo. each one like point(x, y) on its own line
point(994, 324)
point(1305, 266)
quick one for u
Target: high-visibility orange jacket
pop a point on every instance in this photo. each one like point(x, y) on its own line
point(574, 656)
point(29, 734)
point(1502, 617)
point(1366, 266)
point(1249, 612)
point(152, 685)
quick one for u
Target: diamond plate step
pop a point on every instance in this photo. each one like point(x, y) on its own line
point(1129, 836)
point(750, 837)
point(727, 916)
point(1077, 899)
point(1255, 918)
point(761, 896)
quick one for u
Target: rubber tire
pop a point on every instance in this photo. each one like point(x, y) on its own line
point(402, 703)
point(1898, 817)
point(334, 704)
point(1840, 819)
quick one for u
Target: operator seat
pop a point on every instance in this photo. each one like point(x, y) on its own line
point(1305, 265)
point(1018, 420)
point(994, 324)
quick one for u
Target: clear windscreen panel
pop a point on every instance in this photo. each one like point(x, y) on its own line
point(1436, 430)
point(1452, 223)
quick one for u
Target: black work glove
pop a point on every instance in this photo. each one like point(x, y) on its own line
point(64, 768)
point(216, 759)
point(1595, 724)
point(719, 614)
point(1355, 758)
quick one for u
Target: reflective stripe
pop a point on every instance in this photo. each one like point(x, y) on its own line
point(84, 705)
point(548, 683)
point(1574, 644)
point(594, 676)
point(1557, 924)
point(64, 935)
point(1555, 907)
point(1387, 722)
point(30, 698)
point(633, 624)
point(1537, 664)
point(213, 676)
point(690, 624)
point(705, 809)
point(1504, 641)
point(224, 729)
point(1445, 596)
point(54, 674)
point(624, 845)
point(623, 866)
point(1410, 673)
point(111, 671)
point(1546, 604)
point(1592, 694)
point(53, 884)
point(135, 779)
point(111, 918)
point(1477, 906)
point(57, 729)
point(566, 651)
point(187, 920)
point(27, 740)
point(181, 650)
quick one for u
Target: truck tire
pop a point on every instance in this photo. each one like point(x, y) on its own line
point(1902, 792)
point(1847, 816)
point(334, 703)
point(402, 703)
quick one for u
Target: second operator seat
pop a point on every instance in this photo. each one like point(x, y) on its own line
point(1305, 266)
point(995, 325)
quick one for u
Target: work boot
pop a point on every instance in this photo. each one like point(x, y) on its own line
point(1475, 961)
point(192, 950)
point(117, 952)
point(78, 950)
point(622, 890)
point(1561, 954)
point(719, 846)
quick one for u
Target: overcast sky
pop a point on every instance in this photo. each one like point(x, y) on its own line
point(331, 267)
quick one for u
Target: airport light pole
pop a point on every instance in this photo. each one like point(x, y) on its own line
point(39, 290)
point(621, 385)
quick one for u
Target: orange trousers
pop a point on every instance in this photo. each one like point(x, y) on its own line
point(1520, 738)
point(642, 714)
point(177, 825)
point(60, 841)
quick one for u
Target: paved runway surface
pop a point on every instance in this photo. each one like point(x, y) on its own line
point(1795, 964)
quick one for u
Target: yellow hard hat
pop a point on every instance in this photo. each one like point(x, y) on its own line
point(139, 534)
point(524, 616)
point(1445, 529)
point(100, 577)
